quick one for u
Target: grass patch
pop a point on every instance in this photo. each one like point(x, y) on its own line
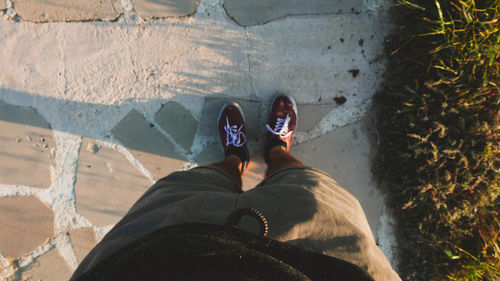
point(438, 119)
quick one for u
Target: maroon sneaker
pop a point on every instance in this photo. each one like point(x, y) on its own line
point(231, 128)
point(282, 123)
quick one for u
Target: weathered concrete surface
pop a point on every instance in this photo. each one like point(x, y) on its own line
point(313, 67)
point(178, 122)
point(164, 8)
point(67, 10)
point(345, 154)
point(256, 171)
point(148, 145)
point(111, 64)
point(256, 12)
point(107, 184)
point(26, 145)
point(311, 114)
point(210, 112)
point(118, 63)
point(3, 5)
point(83, 240)
point(51, 266)
point(210, 154)
point(25, 224)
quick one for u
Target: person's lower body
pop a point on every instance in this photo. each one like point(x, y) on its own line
point(303, 206)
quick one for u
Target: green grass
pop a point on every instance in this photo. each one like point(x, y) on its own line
point(438, 119)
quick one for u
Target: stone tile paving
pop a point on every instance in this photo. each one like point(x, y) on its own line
point(26, 145)
point(50, 266)
point(180, 124)
point(164, 8)
point(107, 184)
point(148, 145)
point(25, 224)
point(67, 10)
point(247, 13)
point(135, 81)
point(82, 240)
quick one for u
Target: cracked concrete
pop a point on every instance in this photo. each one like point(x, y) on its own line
point(248, 13)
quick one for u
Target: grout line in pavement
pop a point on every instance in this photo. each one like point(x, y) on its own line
point(63, 245)
point(9, 13)
point(127, 6)
point(114, 143)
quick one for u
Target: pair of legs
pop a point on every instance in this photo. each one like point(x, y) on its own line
point(279, 158)
point(279, 132)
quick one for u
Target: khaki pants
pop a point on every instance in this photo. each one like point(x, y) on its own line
point(303, 206)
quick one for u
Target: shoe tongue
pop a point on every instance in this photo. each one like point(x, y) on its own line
point(282, 115)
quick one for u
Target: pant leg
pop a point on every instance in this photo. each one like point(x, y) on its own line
point(204, 195)
point(309, 209)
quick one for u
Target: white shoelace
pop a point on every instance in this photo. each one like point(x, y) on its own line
point(234, 135)
point(281, 127)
